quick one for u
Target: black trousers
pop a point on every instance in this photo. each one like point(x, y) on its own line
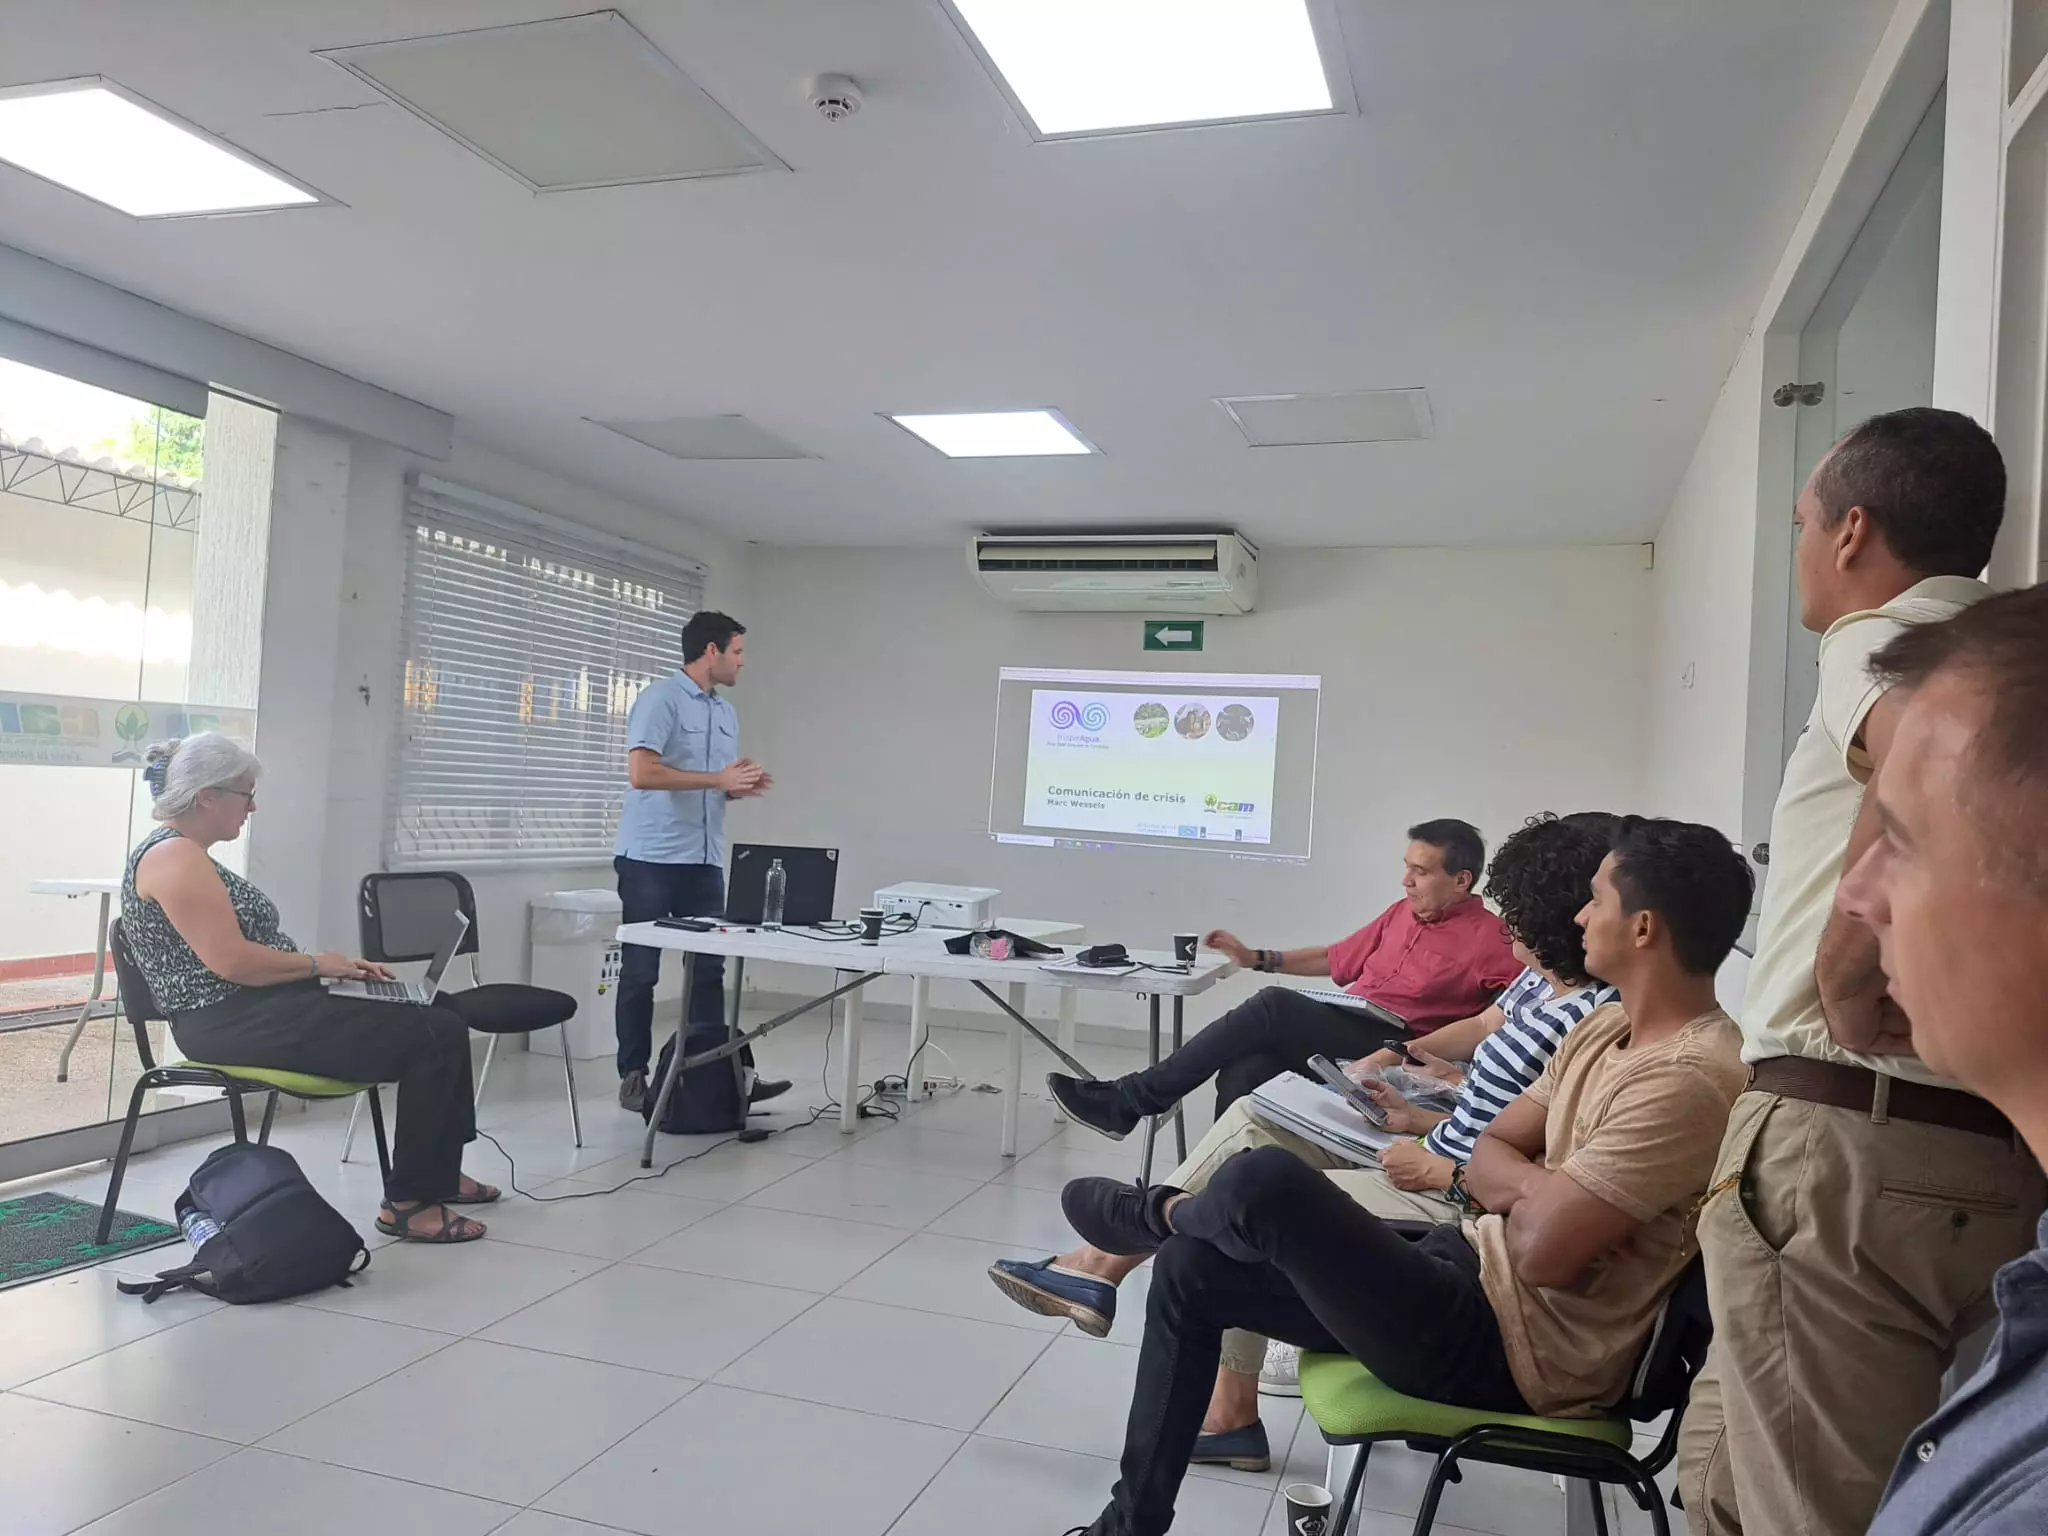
point(300, 1027)
point(1276, 1031)
point(648, 891)
point(1274, 1246)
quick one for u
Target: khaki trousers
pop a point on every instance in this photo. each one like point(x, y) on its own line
point(1846, 1258)
point(1236, 1131)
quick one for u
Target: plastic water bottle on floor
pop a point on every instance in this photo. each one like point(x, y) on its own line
point(199, 1229)
point(771, 899)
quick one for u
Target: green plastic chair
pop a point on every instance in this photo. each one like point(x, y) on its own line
point(1352, 1407)
point(139, 1007)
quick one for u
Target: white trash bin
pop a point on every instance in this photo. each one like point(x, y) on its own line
point(576, 950)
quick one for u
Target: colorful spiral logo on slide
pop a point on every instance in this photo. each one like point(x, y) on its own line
point(1066, 714)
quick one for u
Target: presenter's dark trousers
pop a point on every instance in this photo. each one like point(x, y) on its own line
point(648, 891)
point(1276, 1031)
point(1274, 1246)
point(299, 1027)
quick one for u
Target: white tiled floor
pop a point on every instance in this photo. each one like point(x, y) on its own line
point(781, 1339)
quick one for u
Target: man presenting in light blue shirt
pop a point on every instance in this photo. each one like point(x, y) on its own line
point(682, 765)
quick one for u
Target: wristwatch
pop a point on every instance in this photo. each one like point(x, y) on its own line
point(1457, 1191)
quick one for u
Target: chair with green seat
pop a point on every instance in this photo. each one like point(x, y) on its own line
point(1352, 1407)
point(139, 1007)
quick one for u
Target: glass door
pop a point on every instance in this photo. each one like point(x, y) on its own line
point(102, 570)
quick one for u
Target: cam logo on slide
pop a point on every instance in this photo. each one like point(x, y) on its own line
point(1066, 714)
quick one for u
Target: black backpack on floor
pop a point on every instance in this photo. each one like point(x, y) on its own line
point(707, 1098)
point(262, 1232)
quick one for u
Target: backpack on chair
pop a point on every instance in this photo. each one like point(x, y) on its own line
point(262, 1233)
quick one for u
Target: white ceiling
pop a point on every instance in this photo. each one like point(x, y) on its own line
point(1557, 217)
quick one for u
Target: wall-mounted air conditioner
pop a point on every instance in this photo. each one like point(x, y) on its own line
point(1161, 573)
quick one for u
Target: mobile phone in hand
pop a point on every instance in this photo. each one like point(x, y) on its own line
point(1354, 1095)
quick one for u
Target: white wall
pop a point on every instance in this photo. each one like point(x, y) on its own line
point(357, 687)
point(1485, 684)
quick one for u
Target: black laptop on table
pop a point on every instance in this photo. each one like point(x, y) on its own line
point(810, 875)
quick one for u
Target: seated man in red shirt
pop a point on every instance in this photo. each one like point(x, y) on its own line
point(1435, 956)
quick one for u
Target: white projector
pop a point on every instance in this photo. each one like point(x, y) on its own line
point(942, 906)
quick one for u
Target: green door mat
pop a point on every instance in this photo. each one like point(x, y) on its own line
point(47, 1234)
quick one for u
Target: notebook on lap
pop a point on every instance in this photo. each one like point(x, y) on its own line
point(1356, 1004)
point(1317, 1114)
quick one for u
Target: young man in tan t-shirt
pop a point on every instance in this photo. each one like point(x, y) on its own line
point(1587, 1182)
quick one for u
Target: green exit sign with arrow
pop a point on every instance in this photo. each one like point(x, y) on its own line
point(1173, 634)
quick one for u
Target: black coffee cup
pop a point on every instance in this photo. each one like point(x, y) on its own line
point(871, 925)
point(1308, 1509)
point(1184, 948)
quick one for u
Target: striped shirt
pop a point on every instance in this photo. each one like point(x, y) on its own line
point(1534, 1024)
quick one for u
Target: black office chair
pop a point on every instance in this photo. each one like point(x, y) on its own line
point(139, 1007)
point(402, 916)
point(1352, 1407)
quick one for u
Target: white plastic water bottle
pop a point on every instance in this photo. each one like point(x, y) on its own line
point(771, 899)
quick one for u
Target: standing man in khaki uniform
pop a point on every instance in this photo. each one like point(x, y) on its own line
point(1861, 1204)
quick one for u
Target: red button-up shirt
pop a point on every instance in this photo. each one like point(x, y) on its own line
point(1432, 973)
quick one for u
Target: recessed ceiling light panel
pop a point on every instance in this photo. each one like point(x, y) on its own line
point(104, 142)
point(1078, 67)
point(559, 105)
point(707, 437)
point(1365, 416)
point(996, 434)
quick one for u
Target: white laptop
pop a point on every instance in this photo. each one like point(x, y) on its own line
point(419, 992)
point(1356, 1004)
point(1318, 1114)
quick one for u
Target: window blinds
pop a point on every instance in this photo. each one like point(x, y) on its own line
point(526, 640)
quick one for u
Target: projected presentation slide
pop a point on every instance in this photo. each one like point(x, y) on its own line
point(1217, 761)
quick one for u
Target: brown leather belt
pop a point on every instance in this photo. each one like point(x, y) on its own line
point(1880, 1097)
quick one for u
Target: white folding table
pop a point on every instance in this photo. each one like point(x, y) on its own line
point(923, 957)
point(895, 954)
point(106, 888)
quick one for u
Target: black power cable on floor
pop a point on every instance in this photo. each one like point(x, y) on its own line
point(868, 1107)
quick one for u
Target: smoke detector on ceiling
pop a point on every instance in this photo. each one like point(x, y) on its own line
point(834, 97)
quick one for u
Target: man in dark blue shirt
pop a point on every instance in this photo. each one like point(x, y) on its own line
point(1956, 889)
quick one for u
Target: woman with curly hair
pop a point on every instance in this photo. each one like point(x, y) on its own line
point(1540, 878)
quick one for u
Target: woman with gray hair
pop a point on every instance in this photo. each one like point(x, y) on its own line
point(237, 990)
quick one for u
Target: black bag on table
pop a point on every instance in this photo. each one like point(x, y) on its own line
point(707, 1098)
point(262, 1233)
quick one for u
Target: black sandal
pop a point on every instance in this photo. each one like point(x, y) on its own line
point(486, 1194)
point(454, 1229)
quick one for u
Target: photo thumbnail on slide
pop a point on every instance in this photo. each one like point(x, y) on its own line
point(1215, 761)
point(1170, 765)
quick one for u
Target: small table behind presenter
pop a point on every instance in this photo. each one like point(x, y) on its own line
point(106, 888)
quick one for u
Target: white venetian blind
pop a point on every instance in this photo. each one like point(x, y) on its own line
point(526, 640)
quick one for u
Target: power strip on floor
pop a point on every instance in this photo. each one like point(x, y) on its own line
point(896, 1088)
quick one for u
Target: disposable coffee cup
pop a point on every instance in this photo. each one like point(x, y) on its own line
point(1308, 1509)
point(1184, 948)
point(871, 925)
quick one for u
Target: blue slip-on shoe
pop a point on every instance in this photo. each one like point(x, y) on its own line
point(1242, 1450)
point(1050, 1291)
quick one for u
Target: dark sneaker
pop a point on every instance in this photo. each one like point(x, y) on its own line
point(1093, 1103)
point(1116, 1216)
point(766, 1088)
point(633, 1092)
point(1242, 1450)
point(1050, 1291)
